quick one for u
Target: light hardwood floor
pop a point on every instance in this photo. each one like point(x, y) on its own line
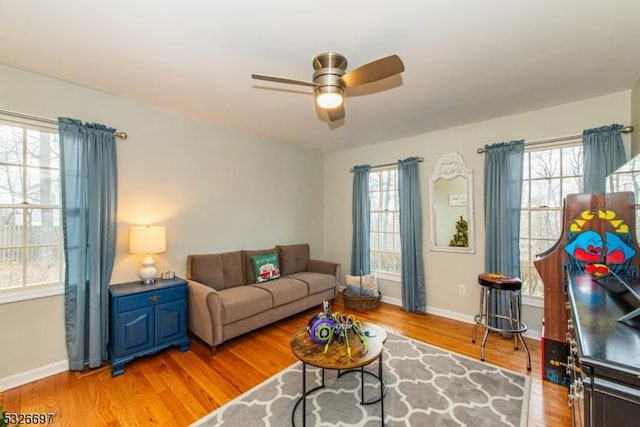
point(174, 389)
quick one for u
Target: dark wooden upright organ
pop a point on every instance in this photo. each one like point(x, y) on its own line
point(585, 347)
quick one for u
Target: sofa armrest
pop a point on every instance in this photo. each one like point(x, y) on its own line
point(326, 267)
point(204, 312)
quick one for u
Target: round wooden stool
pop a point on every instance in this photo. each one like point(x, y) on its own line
point(487, 317)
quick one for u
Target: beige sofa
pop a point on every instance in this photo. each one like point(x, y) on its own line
point(224, 301)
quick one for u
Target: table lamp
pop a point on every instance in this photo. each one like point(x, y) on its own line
point(147, 240)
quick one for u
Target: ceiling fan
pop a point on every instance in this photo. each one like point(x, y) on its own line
point(330, 79)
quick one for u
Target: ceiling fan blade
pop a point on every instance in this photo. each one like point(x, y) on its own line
point(374, 71)
point(336, 114)
point(281, 80)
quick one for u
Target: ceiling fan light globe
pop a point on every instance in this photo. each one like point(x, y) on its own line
point(329, 100)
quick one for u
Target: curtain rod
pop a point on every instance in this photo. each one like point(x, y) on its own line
point(121, 135)
point(626, 129)
point(420, 159)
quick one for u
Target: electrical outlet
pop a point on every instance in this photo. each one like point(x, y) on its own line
point(462, 290)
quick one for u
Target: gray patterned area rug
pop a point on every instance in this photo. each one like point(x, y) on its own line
point(425, 386)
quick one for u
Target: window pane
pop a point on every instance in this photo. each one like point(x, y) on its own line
point(397, 263)
point(43, 226)
point(386, 262)
point(10, 184)
point(532, 284)
point(388, 179)
point(525, 194)
point(386, 221)
point(572, 161)
point(375, 221)
point(545, 164)
point(10, 268)
point(42, 149)
point(374, 181)
point(10, 227)
point(374, 200)
point(524, 223)
point(374, 242)
point(525, 166)
point(43, 265)
point(375, 260)
point(543, 245)
point(545, 224)
point(389, 201)
point(10, 145)
point(571, 186)
point(42, 186)
point(545, 193)
point(386, 242)
point(525, 254)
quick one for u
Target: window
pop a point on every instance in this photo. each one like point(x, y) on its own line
point(385, 223)
point(549, 175)
point(627, 178)
point(31, 252)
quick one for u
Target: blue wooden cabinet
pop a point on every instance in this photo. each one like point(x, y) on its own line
point(145, 319)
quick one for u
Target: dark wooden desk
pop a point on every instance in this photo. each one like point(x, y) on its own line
point(604, 353)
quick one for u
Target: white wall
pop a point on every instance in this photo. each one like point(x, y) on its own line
point(635, 118)
point(445, 271)
point(214, 190)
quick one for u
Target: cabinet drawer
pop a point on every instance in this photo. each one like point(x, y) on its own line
point(152, 297)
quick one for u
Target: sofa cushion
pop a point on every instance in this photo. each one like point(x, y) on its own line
point(218, 271)
point(284, 290)
point(293, 258)
point(317, 282)
point(243, 301)
point(247, 264)
point(265, 267)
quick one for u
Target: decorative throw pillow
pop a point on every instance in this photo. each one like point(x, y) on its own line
point(368, 281)
point(265, 267)
point(358, 291)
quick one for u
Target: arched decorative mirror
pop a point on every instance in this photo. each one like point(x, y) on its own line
point(451, 197)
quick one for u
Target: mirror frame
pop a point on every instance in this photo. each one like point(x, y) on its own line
point(450, 166)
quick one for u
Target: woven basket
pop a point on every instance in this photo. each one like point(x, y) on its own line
point(359, 302)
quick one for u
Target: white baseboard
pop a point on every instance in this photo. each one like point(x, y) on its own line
point(536, 335)
point(33, 375)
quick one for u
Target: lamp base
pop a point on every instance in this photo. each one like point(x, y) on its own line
point(148, 271)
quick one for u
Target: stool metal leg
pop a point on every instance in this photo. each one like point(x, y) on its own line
point(480, 317)
point(519, 335)
point(487, 315)
point(513, 297)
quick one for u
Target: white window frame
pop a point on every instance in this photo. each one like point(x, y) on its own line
point(30, 292)
point(386, 275)
point(527, 299)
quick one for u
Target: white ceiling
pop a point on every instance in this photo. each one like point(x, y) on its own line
point(466, 60)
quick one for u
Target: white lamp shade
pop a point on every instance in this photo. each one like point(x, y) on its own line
point(147, 240)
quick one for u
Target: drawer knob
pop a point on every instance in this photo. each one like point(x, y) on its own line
point(154, 298)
